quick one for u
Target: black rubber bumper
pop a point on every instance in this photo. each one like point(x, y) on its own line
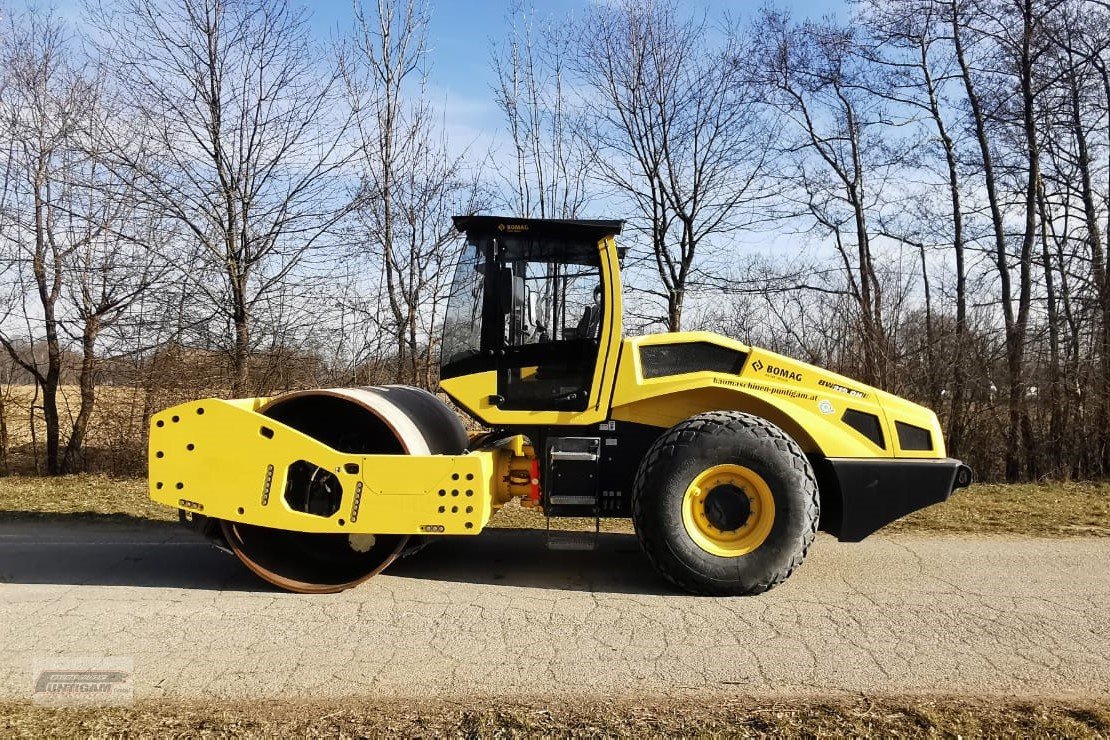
point(859, 497)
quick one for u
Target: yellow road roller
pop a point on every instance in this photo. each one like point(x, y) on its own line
point(728, 458)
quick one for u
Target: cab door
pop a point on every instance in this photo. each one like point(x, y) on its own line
point(544, 349)
point(552, 330)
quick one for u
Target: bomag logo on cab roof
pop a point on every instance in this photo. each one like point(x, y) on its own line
point(512, 227)
point(782, 372)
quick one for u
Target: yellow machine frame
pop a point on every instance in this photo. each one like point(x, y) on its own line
point(225, 460)
point(793, 395)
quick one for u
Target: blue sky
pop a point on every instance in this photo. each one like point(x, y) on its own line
point(462, 34)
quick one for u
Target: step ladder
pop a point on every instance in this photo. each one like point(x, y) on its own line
point(563, 540)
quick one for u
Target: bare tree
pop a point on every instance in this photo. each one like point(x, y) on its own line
point(911, 39)
point(1076, 146)
point(236, 138)
point(410, 181)
point(73, 267)
point(1005, 39)
point(815, 75)
point(111, 268)
point(678, 130)
point(551, 178)
point(44, 105)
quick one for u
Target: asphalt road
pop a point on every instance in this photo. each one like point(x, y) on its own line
point(500, 614)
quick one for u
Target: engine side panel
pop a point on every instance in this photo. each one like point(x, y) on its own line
point(828, 414)
point(877, 457)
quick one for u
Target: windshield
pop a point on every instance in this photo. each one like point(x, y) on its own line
point(462, 324)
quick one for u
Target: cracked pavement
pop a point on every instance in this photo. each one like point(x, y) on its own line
point(500, 614)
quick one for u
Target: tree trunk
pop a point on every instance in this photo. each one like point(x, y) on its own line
point(48, 289)
point(240, 357)
point(1099, 273)
point(1019, 414)
point(5, 440)
point(1013, 336)
point(73, 460)
point(240, 320)
point(932, 371)
point(959, 371)
point(674, 309)
point(1053, 397)
point(51, 422)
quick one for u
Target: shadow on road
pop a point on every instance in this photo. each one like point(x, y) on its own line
point(520, 558)
point(82, 517)
point(114, 552)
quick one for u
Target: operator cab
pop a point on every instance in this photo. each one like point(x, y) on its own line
point(530, 320)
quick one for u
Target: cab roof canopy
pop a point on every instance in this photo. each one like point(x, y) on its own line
point(539, 228)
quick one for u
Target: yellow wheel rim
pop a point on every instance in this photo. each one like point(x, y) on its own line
point(728, 510)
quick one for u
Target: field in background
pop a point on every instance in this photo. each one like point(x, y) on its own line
point(117, 431)
point(1041, 509)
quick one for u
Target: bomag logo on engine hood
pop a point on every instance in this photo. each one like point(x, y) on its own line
point(778, 372)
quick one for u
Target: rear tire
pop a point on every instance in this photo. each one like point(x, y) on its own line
point(725, 503)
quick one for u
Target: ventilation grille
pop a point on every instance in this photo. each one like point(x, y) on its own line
point(913, 438)
point(866, 424)
point(659, 360)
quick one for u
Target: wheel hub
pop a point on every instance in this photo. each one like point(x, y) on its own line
point(727, 507)
point(728, 510)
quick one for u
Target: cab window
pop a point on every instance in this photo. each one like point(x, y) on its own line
point(552, 299)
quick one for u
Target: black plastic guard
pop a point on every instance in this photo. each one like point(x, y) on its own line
point(859, 497)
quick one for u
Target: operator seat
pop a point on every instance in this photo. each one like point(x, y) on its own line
point(589, 323)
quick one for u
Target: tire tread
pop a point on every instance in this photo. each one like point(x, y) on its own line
point(674, 443)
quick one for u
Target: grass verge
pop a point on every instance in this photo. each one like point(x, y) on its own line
point(1035, 509)
point(1039, 509)
point(1042, 509)
point(77, 497)
point(724, 717)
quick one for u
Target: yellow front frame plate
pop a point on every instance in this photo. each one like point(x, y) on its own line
point(224, 460)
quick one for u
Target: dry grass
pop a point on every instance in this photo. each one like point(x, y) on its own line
point(78, 496)
point(1038, 509)
point(1042, 509)
point(617, 717)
